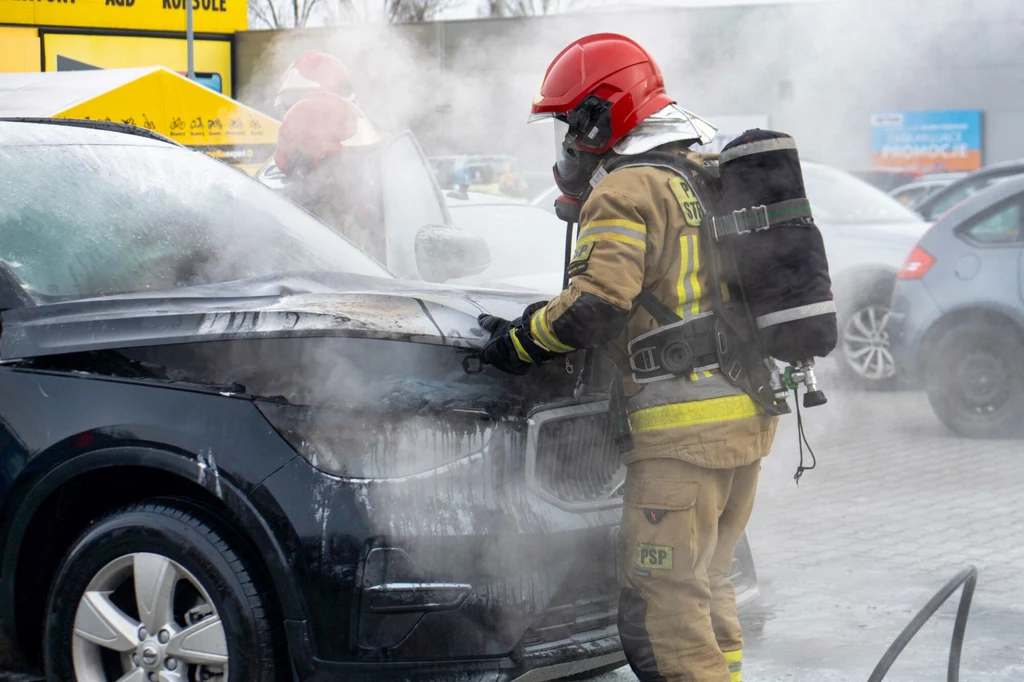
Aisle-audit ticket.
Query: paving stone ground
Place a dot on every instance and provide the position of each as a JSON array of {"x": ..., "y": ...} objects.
[{"x": 896, "y": 507}]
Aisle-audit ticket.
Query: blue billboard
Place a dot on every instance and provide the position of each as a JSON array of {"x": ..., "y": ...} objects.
[{"x": 927, "y": 140}]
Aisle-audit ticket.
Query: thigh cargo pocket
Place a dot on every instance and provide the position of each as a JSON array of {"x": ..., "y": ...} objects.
[{"x": 660, "y": 525}]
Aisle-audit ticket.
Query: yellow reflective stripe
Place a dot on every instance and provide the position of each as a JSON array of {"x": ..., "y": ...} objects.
[
  {"x": 688, "y": 291},
  {"x": 693, "y": 413},
  {"x": 624, "y": 228},
  {"x": 735, "y": 660},
  {"x": 694, "y": 282},
  {"x": 543, "y": 334},
  {"x": 520, "y": 351},
  {"x": 632, "y": 241},
  {"x": 615, "y": 222}
]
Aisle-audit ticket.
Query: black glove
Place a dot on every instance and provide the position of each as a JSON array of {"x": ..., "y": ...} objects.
[{"x": 502, "y": 352}]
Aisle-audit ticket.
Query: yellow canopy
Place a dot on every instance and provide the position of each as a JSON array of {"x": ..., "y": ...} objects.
[{"x": 154, "y": 98}]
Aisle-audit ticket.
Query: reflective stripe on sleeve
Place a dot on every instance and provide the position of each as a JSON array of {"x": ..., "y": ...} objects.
[
  {"x": 693, "y": 413},
  {"x": 520, "y": 351},
  {"x": 544, "y": 335},
  {"x": 623, "y": 231}
]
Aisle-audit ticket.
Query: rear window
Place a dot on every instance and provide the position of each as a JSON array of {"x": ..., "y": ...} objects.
[
  {"x": 81, "y": 221},
  {"x": 958, "y": 193},
  {"x": 1002, "y": 225}
]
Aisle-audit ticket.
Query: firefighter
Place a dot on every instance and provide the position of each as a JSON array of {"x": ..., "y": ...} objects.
[
  {"x": 696, "y": 439},
  {"x": 326, "y": 150},
  {"x": 313, "y": 72},
  {"x": 511, "y": 182}
]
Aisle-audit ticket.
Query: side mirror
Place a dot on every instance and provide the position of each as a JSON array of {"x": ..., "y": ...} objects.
[{"x": 445, "y": 252}]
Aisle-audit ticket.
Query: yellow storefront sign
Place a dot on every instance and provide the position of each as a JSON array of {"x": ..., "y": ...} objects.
[
  {"x": 209, "y": 16},
  {"x": 117, "y": 52},
  {"x": 19, "y": 49}
]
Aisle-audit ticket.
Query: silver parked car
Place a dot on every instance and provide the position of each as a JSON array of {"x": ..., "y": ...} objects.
[
  {"x": 934, "y": 206},
  {"x": 914, "y": 193},
  {"x": 958, "y": 313}
]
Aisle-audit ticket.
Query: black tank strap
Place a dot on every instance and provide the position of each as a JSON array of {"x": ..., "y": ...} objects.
[{"x": 658, "y": 310}]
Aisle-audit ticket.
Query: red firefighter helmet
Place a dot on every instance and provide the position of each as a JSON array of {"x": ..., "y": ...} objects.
[
  {"x": 320, "y": 127},
  {"x": 313, "y": 72},
  {"x": 602, "y": 86}
]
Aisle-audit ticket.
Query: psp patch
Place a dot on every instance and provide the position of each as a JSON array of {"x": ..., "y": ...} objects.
[
  {"x": 580, "y": 257},
  {"x": 654, "y": 556},
  {"x": 693, "y": 214}
]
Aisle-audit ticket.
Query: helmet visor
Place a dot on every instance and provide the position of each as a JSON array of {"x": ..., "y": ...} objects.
[{"x": 560, "y": 129}]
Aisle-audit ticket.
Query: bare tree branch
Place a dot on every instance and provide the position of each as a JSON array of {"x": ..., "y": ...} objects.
[
  {"x": 276, "y": 14},
  {"x": 391, "y": 11},
  {"x": 525, "y": 8}
]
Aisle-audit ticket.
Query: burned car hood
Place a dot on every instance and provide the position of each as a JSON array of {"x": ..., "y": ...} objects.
[{"x": 386, "y": 309}]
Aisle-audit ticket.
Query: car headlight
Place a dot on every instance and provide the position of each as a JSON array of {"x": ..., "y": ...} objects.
[{"x": 362, "y": 444}]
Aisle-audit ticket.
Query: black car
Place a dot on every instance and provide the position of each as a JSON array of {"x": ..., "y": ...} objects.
[{"x": 233, "y": 447}]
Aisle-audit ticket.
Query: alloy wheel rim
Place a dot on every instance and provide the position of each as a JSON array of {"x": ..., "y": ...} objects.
[
  {"x": 982, "y": 384},
  {"x": 866, "y": 344},
  {"x": 146, "y": 618}
]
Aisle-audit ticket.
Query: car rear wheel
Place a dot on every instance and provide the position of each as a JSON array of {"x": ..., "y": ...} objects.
[
  {"x": 975, "y": 381},
  {"x": 153, "y": 593},
  {"x": 864, "y": 347}
]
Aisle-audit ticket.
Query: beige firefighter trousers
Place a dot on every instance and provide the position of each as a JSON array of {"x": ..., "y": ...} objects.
[{"x": 677, "y": 608}]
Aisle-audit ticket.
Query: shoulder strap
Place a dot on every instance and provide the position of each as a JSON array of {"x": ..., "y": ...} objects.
[
  {"x": 704, "y": 177},
  {"x": 662, "y": 314},
  {"x": 705, "y": 184}
]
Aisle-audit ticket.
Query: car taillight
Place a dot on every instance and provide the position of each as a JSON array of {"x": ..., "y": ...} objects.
[{"x": 918, "y": 263}]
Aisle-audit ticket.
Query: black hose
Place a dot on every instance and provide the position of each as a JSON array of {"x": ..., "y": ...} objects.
[{"x": 968, "y": 577}]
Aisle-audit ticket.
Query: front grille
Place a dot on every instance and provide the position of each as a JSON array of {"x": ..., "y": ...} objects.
[
  {"x": 565, "y": 621},
  {"x": 573, "y": 459},
  {"x": 585, "y": 605}
]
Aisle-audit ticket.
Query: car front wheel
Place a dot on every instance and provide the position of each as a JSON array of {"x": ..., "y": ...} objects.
[
  {"x": 864, "y": 347},
  {"x": 975, "y": 381},
  {"x": 153, "y": 593}
]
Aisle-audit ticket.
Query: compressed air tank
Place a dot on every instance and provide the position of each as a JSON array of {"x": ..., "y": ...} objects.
[{"x": 780, "y": 265}]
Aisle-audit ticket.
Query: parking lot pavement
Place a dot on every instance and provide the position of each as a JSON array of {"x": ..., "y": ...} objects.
[{"x": 895, "y": 508}]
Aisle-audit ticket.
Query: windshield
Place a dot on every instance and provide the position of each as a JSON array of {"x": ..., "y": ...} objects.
[
  {"x": 838, "y": 197},
  {"x": 82, "y": 221}
]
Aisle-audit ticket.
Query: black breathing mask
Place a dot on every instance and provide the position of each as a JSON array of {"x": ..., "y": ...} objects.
[
  {"x": 588, "y": 126},
  {"x": 574, "y": 170}
]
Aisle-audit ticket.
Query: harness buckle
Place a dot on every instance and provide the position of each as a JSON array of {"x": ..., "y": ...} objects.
[
  {"x": 740, "y": 216},
  {"x": 647, "y": 354},
  {"x": 760, "y": 218},
  {"x": 743, "y": 221}
]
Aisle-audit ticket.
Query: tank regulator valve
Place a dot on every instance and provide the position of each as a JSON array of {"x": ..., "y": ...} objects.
[{"x": 803, "y": 373}]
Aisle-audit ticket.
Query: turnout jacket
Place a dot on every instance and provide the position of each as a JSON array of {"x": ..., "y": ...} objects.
[{"x": 640, "y": 230}]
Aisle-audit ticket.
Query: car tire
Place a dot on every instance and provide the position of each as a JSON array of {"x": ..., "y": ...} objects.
[
  {"x": 975, "y": 381},
  {"x": 863, "y": 352},
  {"x": 212, "y": 618}
]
